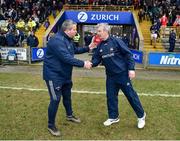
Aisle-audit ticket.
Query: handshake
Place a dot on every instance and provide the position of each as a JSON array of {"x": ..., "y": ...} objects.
[{"x": 87, "y": 64}]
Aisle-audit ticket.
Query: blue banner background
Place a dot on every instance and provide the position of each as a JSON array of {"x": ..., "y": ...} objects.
[
  {"x": 94, "y": 17},
  {"x": 164, "y": 59},
  {"x": 37, "y": 53},
  {"x": 138, "y": 56}
]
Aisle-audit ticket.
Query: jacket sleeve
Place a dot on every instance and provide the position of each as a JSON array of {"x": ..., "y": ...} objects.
[
  {"x": 59, "y": 48},
  {"x": 80, "y": 50},
  {"x": 96, "y": 58},
  {"x": 126, "y": 53}
]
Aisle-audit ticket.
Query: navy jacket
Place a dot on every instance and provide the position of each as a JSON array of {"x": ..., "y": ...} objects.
[
  {"x": 11, "y": 39},
  {"x": 114, "y": 55},
  {"x": 172, "y": 37},
  {"x": 32, "y": 41},
  {"x": 59, "y": 59}
]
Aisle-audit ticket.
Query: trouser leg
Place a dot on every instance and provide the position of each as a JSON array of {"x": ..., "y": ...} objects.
[
  {"x": 112, "y": 98},
  {"x": 66, "y": 93},
  {"x": 133, "y": 98},
  {"x": 55, "y": 96},
  {"x": 171, "y": 48}
]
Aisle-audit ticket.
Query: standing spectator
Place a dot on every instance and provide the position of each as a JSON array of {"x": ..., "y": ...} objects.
[
  {"x": 164, "y": 22},
  {"x": 177, "y": 21},
  {"x": 2, "y": 39},
  {"x": 54, "y": 8},
  {"x": 119, "y": 65},
  {"x": 141, "y": 15},
  {"x": 31, "y": 24},
  {"x": 32, "y": 40},
  {"x": 133, "y": 38},
  {"x": 46, "y": 24},
  {"x": 172, "y": 41},
  {"x": 11, "y": 26},
  {"x": 20, "y": 37},
  {"x": 154, "y": 32},
  {"x": 177, "y": 25},
  {"x": 20, "y": 24},
  {"x": 76, "y": 39},
  {"x": 125, "y": 39},
  {"x": 11, "y": 39},
  {"x": 88, "y": 38},
  {"x": 57, "y": 72},
  {"x": 36, "y": 19}
]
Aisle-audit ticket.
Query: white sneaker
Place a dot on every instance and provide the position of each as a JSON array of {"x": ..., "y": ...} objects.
[
  {"x": 110, "y": 121},
  {"x": 141, "y": 121}
]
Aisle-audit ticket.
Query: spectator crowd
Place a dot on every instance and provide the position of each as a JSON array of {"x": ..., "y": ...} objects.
[{"x": 23, "y": 18}]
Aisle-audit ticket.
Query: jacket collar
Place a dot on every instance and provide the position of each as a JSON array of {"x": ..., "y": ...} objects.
[{"x": 65, "y": 35}]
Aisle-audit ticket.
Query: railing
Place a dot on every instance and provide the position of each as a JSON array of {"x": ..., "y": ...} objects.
[
  {"x": 98, "y": 7},
  {"x": 141, "y": 38},
  {"x": 50, "y": 28}
]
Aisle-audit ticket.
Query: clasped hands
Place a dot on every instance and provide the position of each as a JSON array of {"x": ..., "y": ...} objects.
[{"x": 87, "y": 64}]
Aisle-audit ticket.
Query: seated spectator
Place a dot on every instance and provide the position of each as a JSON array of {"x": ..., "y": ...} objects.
[{"x": 32, "y": 40}]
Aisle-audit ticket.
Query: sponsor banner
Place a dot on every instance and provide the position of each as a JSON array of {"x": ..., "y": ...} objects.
[
  {"x": 99, "y": 17},
  {"x": 138, "y": 56},
  {"x": 21, "y": 53},
  {"x": 164, "y": 59},
  {"x": 37, "y": 53}
]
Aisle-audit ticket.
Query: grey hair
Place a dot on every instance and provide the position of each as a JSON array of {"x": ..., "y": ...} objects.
[
  {"x": 105, "y": 26},
  {"x": 67, "y": 24}
]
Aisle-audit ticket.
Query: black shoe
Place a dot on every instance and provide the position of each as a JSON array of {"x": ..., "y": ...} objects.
[
  {"x": 73, "y": 119},
  {"x": 54, "y": 131}
]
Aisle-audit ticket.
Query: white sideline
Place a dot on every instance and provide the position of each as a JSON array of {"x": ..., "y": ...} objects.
[{"x": 90, "y": 92}]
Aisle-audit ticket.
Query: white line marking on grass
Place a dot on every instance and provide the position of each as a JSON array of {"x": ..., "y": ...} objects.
[{"x": 90, "y": 92}]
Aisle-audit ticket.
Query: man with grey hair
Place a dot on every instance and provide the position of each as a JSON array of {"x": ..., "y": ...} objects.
[
  {"x": 57, "y": 71},
  {"x": 120, "y": 69}
]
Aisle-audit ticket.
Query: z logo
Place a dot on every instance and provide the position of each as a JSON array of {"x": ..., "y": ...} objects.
[{"x": 82, "y": 16}]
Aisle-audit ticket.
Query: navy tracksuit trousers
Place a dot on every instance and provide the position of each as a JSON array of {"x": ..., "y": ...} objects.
[
  {"x": 56, "y": 90},
  {"x": 113, "y": 85}
]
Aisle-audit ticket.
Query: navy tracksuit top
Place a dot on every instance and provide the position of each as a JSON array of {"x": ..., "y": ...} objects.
[
  {"x": 114, "y": 55},
  {"x": 59, "y": 59}
]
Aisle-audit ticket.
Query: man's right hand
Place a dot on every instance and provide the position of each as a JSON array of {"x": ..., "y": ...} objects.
[{"x": 87, "y": 64}]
